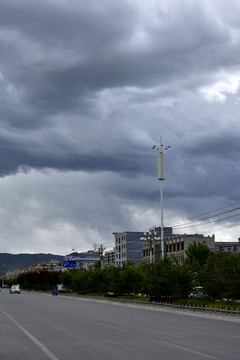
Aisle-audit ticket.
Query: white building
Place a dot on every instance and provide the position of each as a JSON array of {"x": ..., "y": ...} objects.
[{"x": 84, "y": 260}]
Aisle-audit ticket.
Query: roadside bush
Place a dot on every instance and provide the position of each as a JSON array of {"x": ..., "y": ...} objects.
[{"x": 42, "y": 280}]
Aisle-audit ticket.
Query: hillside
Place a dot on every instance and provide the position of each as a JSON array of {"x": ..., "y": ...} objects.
[{"x": 13, "y": 261}]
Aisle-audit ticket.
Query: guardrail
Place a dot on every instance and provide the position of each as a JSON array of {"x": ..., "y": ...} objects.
[
  {"x": 195, "y": 308},
  {"x": 201, "y": 308}
]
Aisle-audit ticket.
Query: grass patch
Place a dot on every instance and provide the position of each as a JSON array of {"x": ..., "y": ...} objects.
[{"x": 191, "y": 302}]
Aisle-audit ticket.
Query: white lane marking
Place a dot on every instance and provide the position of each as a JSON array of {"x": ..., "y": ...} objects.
[
  {"x": 189, "y": 350},
  {"x": 113, "y": 327},
  {"x": 31, "y": 337}
]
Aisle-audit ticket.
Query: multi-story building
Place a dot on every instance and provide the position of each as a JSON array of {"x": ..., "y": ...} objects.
[
  {"x": 128, "y": 247},
  {"x": 52, "y": 265},
  {"x": 109, "y": 257},
  {"x": 227, "y": 246},
  {"x": 167, "y": 231},
  {"x": 46, "y": 266},
  {"x": 175, "y": 246},
  {"x": 14, "y": 273},
  {"x": 155, "y": 245}
]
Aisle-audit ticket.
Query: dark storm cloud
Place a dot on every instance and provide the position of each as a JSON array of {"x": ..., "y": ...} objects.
[
  {"x": 86, "y": 88},
  {"x": 94, "y": 49},
  {"x": 225, "y": 144}
]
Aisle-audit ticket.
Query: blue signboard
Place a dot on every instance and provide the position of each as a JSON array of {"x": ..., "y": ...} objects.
[{"x": 69, "y": 263}]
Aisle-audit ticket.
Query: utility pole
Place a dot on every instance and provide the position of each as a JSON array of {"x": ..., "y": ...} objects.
[
  {"x": 100, "y": 250},
  {"x": 101, "y": 255}
]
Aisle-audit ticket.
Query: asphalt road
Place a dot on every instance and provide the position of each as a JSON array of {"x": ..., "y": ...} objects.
[{"x": 42, "y": 327}]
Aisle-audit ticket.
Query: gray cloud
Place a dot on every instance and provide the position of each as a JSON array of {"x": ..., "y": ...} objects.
[{"x": 86, "y": 89}]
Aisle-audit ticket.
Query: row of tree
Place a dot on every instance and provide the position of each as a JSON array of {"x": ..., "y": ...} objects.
[{"x": 218, "y": 273}]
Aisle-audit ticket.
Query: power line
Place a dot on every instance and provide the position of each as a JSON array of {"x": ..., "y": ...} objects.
[
  {"x": 197, "y": 217},
  {"x": 204, "y": 219},
  {"x": 200, "y": 221},
  {"x": 207, "y": 222}
]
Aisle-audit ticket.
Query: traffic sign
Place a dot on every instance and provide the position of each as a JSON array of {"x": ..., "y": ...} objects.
[{"x": 69, "y": 263}]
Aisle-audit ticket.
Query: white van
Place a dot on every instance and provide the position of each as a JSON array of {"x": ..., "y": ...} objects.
[{"x": 61, "y": 288}]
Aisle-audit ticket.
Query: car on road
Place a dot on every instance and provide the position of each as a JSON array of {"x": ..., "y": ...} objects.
[
  {"x": 197, "y": 293},
  {"x": 61, "y": 289},
  {"x": 15, "y": 289}
]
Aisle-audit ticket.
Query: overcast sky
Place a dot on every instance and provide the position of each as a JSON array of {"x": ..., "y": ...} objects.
[{"x": 86, "y": 89}]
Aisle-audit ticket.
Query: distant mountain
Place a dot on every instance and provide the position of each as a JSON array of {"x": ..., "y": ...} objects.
[{"x": 14, "y": 261}]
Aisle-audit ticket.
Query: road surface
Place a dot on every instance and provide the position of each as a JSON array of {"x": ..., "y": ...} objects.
[{"x": 43, "y": 326}]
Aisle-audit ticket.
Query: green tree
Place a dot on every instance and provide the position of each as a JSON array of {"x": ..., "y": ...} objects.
[
  {"x": 160, "y": 278},
  {"x": 79, "y": 280},
  {"x": 129, "y": 279},
  {"x": 65, "y": 279},
  {"x": 112, "y": 279},
  {"x": 223, "y": 275},
  {"x": 97, "y": 280},
  {"x": 169, "y": 278},
  {"x": 182, "y": 279},
  {"x": 197, "y": 257},
  {"x": 42, "y": 280}
]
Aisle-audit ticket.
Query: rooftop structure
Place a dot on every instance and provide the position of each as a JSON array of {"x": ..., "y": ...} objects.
[{"x": 227, "y": 246}]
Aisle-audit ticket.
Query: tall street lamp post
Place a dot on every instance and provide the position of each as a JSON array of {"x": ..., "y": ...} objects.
[
  {"x": 150, "y": 238},
  {"x": 161, "y": 177}
]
